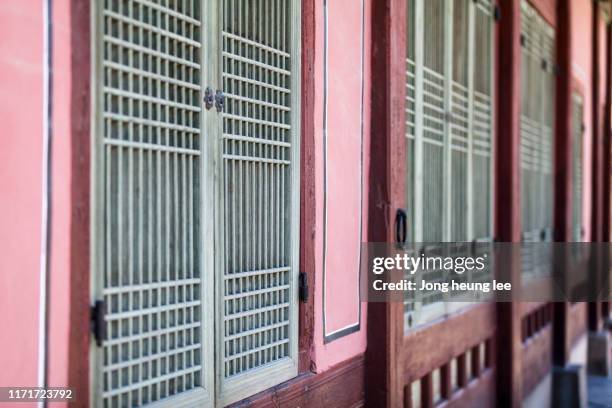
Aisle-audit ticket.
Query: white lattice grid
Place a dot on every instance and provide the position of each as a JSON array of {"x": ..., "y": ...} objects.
[
  {"x": 257, "y": 220},
  {"x": 449, "y": 122},
  {"x": 537, "y": 115},
  {"x": 150, "y": 68}
]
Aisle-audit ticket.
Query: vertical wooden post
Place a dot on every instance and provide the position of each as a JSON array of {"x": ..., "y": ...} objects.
[
  {"x": 446, "y": 383},
  {"x": 594, "y": 308},
  {"x": 508, "y": 205},
  {"x": 563, "y": 168},
  {"x": 607, "y": 164},
  {"x": 80, "y": 141},
  {"x": 307, "y": 185},
  {"x": 462, "y": 377},
  {"x": 427, "y": 397},
  {"x": 475, "y": 363},
  {"x": 387, "y": 174}
]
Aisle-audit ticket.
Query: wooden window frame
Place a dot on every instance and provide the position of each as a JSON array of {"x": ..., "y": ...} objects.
[
  {"x": 461, "y": 133},
  {"x": 80, "y": 337},
  {"x": 544, "y": 208},
  {"x": 408, "y": 358},
  {"x": 234, "y": 386},
  {"x": 308, "y": 187},
  {"x": 574, "y": 235}
]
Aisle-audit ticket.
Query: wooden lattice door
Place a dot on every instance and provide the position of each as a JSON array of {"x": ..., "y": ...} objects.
[{"x": 195, "y": 200}]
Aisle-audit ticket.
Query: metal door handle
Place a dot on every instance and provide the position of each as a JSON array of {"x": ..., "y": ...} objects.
[
  {"x": 209, "y": 98},
  {"x": 219, "y": 100},
  {"x": 400, "y": 226}
]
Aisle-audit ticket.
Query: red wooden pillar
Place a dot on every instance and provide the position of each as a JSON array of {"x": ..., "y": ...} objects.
[
  {"x": 508, "y": 205},
  {"x": 80, "y": 137},
  {"x": 563, "y": 168},
  {"x": 387, "y": 176},
  {"x": 607, "y": 165},
  {"x": 594, "y": 307},
  {"x": 307, "y": 185}
]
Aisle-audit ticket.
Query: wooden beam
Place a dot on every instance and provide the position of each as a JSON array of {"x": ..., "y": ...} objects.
[
  {"x": 432, "y": 346},
  {"x": 607, "y": 159},
  {"x": 563, "y": 127},
  {"x": 594, "y": 307},
  {"x": 340, "y": 386},
  {"x": 307, "y": 184},
  {"x": 563, "y": 177},
  {"x": 80, "y": 140},
  {"x": 507, "y": 200},
  {"x": 387, "y": 175},
  {"x": 537, "y": 357}
]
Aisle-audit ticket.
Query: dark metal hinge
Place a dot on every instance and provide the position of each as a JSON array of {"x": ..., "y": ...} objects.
[
  {"x": 401, "y": 227},
  {"x": 496, "y": 13},
  {"x": 219, "y": 100},
  {"x": 303, "y": 284},
  {"x": 98, "y": 326}
]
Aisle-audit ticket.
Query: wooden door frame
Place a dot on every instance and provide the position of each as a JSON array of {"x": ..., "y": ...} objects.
[
  {"x": 79, "y": 338},
  {"x": 394, "y": 360},
  {"x": 386, "y": 175},
  {"x": 308, "y": 187},
  {"x": 563, "y": 169},
  {"x": 508, "y": 204},
  {"x": 600, "y": 148}
]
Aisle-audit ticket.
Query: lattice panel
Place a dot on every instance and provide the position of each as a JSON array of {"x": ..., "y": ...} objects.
[
  {"x": 152, "y": 280},
  {"x": 411, "y": 115},
  {"x": 433, "y": 125},
  {"x": 460, "y": 125},
  {"x": 482, "y": 124},
  {"x": 537, "y": 116},
  {"x": 257, "y": 143},
  {"x": 449, "y": 118}
]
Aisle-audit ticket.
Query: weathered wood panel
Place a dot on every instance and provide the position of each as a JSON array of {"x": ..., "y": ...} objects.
[{"x": 340, "y": 386}]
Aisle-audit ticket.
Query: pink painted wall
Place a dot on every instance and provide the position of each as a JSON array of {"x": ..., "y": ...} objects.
[
  {"x": 582, "y": 46},
  {"x": 341, "y": 192},
  {"x": 21, "y": 115},
  {"x": 59, "y": 321},
  {"x": 21, "y": 107}
]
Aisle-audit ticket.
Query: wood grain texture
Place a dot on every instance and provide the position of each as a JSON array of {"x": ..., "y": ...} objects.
[
  {"x": 607, "y": 147},
  {"x": 387, "y": 178},
  {"x": 307, "y": 186},
  {"x": 536, "y": 359},
  {"x": 477, "y": 393},
  {"x": 340, "y": 386},
  {"x": 563, "y": 127},
  {"x": 435, "y": 345},
  {"x": 577, "y": 326},
  {"x": 507, "y": 200},
  {"x": 563, "y": 203},
  {"x": 80, "y": 104},
  {"x": 594, "y": 314}
]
